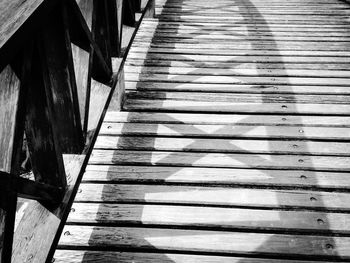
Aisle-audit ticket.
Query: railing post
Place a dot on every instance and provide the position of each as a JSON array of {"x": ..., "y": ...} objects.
[
  {"x": 114, "y": 9},
  {"x": 128, "y": 13},
  {"x": 60, "y": 84},
  {"x": 150, "y": 9},
  {"x": 11, "y": 135}
]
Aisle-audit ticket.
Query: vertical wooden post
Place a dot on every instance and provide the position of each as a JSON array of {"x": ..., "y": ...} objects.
[
  {"x": 60, "y": 84},
  {"x": 128, "y": 13},
  {"x": 42, "y": 137},
  {"x": 10, "y": 129},
  {"x": 114, "y": 8},
  {"x": 137, "y": 5},
  {"x": 101, "y": 31},
  {"x": 151, "y": 9}
]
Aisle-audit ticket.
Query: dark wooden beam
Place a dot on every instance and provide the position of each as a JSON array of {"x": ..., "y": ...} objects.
[
  {"x": 129, "y": 13},
  {"x": 100, "y": 32},
  {"x": 42, "y": 138},
  {"x": 137, "y": 5},
  {"x": 114, "y": 9},
  {"x": 60, "y": 85},
  {"x": 29, "y": 189}
]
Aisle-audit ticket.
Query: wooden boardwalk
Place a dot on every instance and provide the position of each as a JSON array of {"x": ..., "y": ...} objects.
[{"x": 233, "y": 144}]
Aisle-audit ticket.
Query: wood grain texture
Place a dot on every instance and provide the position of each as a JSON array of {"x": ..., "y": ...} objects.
[
  {"x": 9, "y": 96},
  {"x": 234, "y": 119},
  {"x": 34, "y": 240},
  {"x": 213, "y": 196},
  {"x": 232, "y": 143},
  {"x": 76, "y": 256},
  {"x": 235, "y": 107},
  {"x": 216, "y": 176},
  {"x": 209, "y": 218},
  {"x": 226, "y": 131},
  {"x": 222, "y": 145},
  {"x": 224, "y": 242},
  {"x": 236, "y": 88}
]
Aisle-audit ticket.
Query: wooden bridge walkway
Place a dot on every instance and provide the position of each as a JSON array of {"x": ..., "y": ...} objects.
[{"x": 233, "y": 143}]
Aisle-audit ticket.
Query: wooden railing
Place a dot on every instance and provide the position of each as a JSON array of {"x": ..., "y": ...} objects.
[{"x": 56, "y": 83}]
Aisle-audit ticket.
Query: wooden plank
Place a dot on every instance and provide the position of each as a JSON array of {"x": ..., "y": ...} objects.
[
  {"x": 75, "y": 256},
  {"x": 198, "y": 51},
  {"x": 249, "y": 23},
  {"x": 227, "y": 160},
  {"x": 236, "y": 79},
  {"x": 243, "y": 107},
  {"x": 222, "y": 145},
  {"x": 224, "y": 36},
  {"x": 251, "y": 45},
  {"x": 154, "y": 25},
  {"x": 226, "y": 131},
  {"x": 215, "y": 176},
  {"x": 214, "y": 196},
  {"x": 238, "y": 72},
  {"x": 243, "y": 58},
  {"x": 231, "y": 119},
  {"x": 232, "y": 65},
  {"x": 9, "y": 99},
  {"x": 236, "y": 88},
  {"x": 209, "y": 217},
  {"x": 219, "y": 242},
  {"x": 239, "y": 97}
]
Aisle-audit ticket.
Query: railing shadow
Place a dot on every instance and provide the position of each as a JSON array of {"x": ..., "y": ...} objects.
[{"x": 252, "y": 38}]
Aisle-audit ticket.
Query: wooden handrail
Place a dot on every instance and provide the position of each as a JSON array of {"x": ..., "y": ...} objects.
[{"x": 55, "y": 64}]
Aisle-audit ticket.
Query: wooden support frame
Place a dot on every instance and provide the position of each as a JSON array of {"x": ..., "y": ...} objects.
[
  {"x": 81, "y": 36},
  {"x": 11, "y": 132},
  {"x": 29, "y": 189},
  {"x": 53, "y": 187},
  {"x": 42, "y": 138},
  {"x": 60, "y": 84}
]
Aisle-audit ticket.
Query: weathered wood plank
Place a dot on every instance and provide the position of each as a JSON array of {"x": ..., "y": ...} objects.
[
  {"x": 243, "y": 58},
  {"x": 226, "y": 131},
  {"x": 9, "y": 103},
  {"x": 237, "y": 160},
  {"x": 249, "y": 23},
  {"x": 236, "y": 88},
  {"x": 236, "y": 107},
  {"x": 76, "y": 256},
  {"x": 239, "y": 97},
  {"x": 209, "y": 217},
  {"x": 222, "y": 145},
  {"x": 248, "y": 46},
  {"x": 240, "y": 31},
  {"x": 213, "y": 196},
  {"x": 11, "y": 132},
  {"x": 215, "y": 176},
  {"x": 236, "y": 119},
  {"x": 238, "y": 72},
  {"x": 224, "y": 242}
]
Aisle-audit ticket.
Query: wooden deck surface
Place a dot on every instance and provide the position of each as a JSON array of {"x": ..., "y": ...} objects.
[{"x": 233, "y": 144}]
